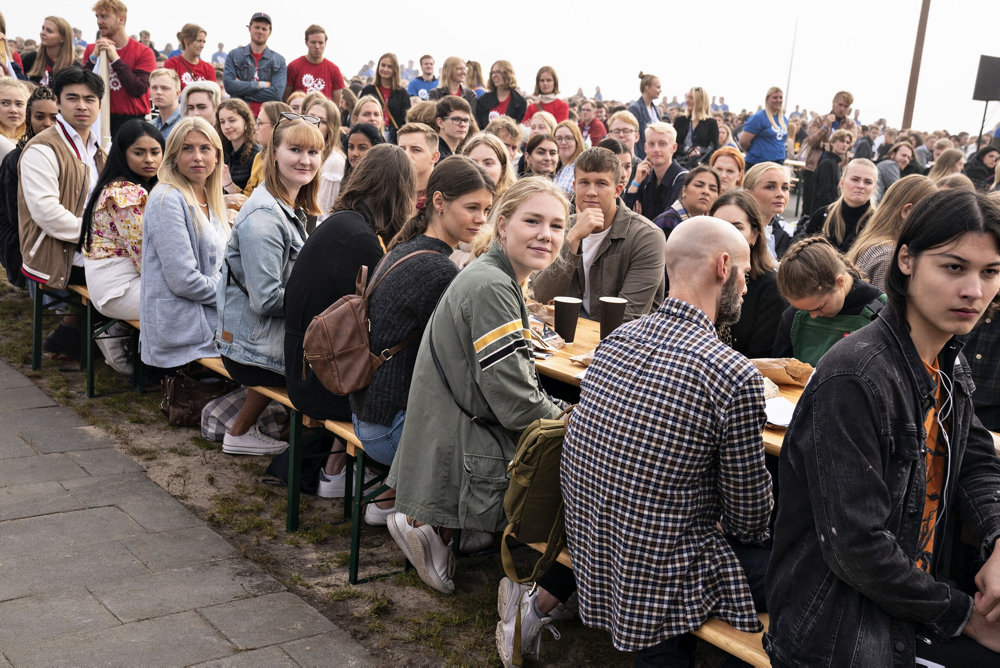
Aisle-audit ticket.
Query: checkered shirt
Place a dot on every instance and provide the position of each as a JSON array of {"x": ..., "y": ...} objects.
[{"x": 666, "y": 441}]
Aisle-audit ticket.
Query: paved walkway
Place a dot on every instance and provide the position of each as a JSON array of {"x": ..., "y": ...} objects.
[{"x": 100, "y": 566}]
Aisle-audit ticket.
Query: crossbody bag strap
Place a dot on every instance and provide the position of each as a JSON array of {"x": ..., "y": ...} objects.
[
  {"x": 388, "y": 353},
  {"x": 378, "y": 91}
]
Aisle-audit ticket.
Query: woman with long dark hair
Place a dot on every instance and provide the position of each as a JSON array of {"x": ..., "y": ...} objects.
[
  {"x": 392, "y": 96},
  {"x": 459, "y": 196},
  {"x": 235, "y": 124}
]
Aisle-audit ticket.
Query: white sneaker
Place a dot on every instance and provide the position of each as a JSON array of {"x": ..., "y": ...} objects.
[
  {"x": 378, "y": 517},
  {"x": 114, "y": 348},
  {"x": 252, "y": 443},
  {"x": 474, "y": 541},
  {"x": 434, "y": 561},
  {"x": 567, "y": 610},
  {"x": 399, "y": 529},
  {"x": 511, "y": 597},
  {"x": 335, "y": 486}
]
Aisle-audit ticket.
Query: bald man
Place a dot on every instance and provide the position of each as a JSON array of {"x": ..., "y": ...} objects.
[{"x": 674, "y": 535}]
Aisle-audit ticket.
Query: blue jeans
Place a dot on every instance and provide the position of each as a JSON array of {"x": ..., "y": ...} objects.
[{"x": 380, "y": 441}]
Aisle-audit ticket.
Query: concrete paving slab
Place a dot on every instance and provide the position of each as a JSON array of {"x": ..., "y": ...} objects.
[
  {"x": 142, "y": 499},
  {"x": 266, "y": 620},
  {"x": 34, "y": 620},
  {"x": 52, "y": 429},
  {"x": 267, "y": 657},
  {"x": 12, "y": 445},
  {"x": 50, "y": 534},
  {"x": 28, "y": 573},
  {"x": 40, "y": 468},
  {"x": 18, "y": 398},
  {"x": 146, "y": 596},
  {"x": 334, "y": 648},
  {"x": 179, "y": 549},
  {"x": 9, "y": 377},
  {"x": 105, "y": 462},
  {"x": 174, "y": 640},
  {"x": 35, "y": 499}
]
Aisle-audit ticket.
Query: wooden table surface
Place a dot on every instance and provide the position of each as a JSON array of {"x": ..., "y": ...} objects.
[{"x": 588, "y": 335}]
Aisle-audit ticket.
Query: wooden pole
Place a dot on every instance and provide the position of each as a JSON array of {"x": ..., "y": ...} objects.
[
  {"x": 104, "y": 67},
  {"x": 918, "y": 52}
]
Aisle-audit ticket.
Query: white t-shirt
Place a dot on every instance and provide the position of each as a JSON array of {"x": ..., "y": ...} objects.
[{"x": 589, "y": 245}]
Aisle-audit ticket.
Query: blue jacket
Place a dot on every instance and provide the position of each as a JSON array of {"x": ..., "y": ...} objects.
[
  {"x": 843, "y": 588},
  {"x": 266, "y": 239},
  {"x": 238, "y": 75},
  {"x": 638, "y": 109},
  {"x": 180, "y": 270}
]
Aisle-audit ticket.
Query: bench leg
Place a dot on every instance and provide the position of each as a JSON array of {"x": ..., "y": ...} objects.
[
  {"x": 294, "y": 470},
  {"x": 358, "y": 518},
  {"x": 89, "y": 343},
  {"x": 36, "y": 329}
]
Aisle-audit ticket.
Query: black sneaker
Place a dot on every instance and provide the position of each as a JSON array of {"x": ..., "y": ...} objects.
[{"x": 64, "y": 341}]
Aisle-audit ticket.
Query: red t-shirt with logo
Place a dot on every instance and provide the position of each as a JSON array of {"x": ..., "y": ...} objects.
[
  {"x": 308, "y": 77},
  {"x": 138, "y": 58},
  {"x": 189, "y": 73}
]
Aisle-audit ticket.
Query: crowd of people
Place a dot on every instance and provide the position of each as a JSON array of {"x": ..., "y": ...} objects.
[{"x": 240, "y": 196}]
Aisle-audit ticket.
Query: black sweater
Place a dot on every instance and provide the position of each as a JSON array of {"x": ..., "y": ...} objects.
[
  {"x": 763, "y": 305},
  {"x": 401, "y": 306},
  {"x": 852, "y": 214},
  {"x": 325, "y": 270},
  {"x": 861, "y": 295},
  {"x": 239, "y": 169},
  {"x": 516, "y": 107}
]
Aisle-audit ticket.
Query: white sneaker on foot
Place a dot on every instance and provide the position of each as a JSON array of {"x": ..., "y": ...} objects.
[
  {"x": 335, "y": 486},
  {"x": 252, "y": 443},
  {"x": 434, "y": 561},
  {"x": 399, "y": 529},
  {"x": 114, "y": 346},
  {"x": 378, "y": 517},
  {"x": 474, "y": 541},
  {"x": 511, "y": 599}
]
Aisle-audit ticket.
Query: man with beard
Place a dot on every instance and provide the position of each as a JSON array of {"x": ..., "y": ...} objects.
[{"x": 667, "y": 496}]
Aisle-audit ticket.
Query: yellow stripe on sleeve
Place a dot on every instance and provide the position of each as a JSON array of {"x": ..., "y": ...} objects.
[{"x": 501, "y": 331}]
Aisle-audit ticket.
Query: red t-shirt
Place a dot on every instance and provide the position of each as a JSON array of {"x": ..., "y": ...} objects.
[
  {"x": 556, "y": 107},
  {"x": 386, "y": 92},
  {"x": 500, "y": 109},
  {"x": 305, "y": 76},
  {"x": 137, "y": 58},
  {"x": 189, "y": 73}
]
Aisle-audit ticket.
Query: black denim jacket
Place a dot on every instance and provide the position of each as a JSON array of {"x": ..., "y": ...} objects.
[{"x": 842, "y": 585}]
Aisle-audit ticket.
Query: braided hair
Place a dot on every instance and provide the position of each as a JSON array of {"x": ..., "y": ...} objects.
[
  {"x": 40, "y": 93},
  {"x": 810, "y": 267}
]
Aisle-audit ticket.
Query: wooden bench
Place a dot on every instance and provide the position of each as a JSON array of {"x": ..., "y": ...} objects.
[
  {"x": 742, "y": 645},
  {"x": 94, "y": 332}
]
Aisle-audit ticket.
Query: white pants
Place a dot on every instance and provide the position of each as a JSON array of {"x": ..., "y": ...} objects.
[{"x": 113, "y": 284}]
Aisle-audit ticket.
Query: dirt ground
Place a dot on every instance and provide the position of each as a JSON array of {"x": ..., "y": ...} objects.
[{"x": 395, "y": 616}]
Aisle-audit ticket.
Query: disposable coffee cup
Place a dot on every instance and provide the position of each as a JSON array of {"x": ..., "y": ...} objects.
[
  {"x": 612, "y": 314},
  {"x": 567, "y": 314}
]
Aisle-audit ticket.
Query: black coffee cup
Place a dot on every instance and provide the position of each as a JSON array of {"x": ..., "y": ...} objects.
[{"x": 567, "y": 315}]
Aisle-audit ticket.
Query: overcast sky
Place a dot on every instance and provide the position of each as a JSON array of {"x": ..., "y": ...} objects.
[{"x": 734, "y": 49}]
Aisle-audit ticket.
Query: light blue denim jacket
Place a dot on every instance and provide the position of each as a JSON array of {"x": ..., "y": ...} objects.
[{"x": 266, "y": 239}]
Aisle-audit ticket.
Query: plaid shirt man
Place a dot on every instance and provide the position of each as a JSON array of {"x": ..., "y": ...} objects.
[{"x": 665, "y": 443}]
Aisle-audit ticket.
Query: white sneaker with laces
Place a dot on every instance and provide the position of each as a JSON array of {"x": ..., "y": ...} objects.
[
  {"x": 399, "y": 529},
  {"x": 335, "y": 486},
  {"x": 252, "y": 443},
  {"x": 511, "y": 597},
  {"x": 378, "y": 517},
  {"x": 434, "y": 561}
]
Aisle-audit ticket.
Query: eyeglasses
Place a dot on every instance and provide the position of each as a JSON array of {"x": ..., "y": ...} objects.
[
  {"x": 622, "y": 132},
  {"x": 458, "y": 120},
  {"x": 565, "y": 140},
  {"x": 292, "y": 116}
]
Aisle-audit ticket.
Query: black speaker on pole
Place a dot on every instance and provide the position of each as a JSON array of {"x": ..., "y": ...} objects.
[{"x": 988, "y": 79}]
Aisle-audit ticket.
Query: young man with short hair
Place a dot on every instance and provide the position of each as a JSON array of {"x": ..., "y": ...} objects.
[
  {"x": 129, "y": 63},
  {"x": 658, "y": 178},
  {"x": 201, "y": 98},
  {"x": 420, "y": 143},
  {"x": 58, "y": 169},
  {"x": 422, "y": 86},
  {"x": 817, "y": 140},
  {"x": 255, "y": 73},
  {"x": 609, "y": 250},
  {"x": 312, "y": 72},
  {"x": 591, "y": 127},
  {"x": 164, "y": 91},
  {"x": 885, "y": 465},
  {"x": 508, "y": 132}
]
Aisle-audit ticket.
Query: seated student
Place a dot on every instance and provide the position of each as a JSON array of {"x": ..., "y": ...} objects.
[
  {"x": 454, "y": 124},
  {"x": 452, "y": 83},
  {"x": 729, "y": 165},
  {"x": 610, "y": 251},
  {"x": 827, "y": 300},
  {"x": 459, "y": 199},
  {"x": 826, "y": 182},
  {"x": 884, "y": 462},
  {"x": 753, "y": 334},
  {"x": 267, "y": 119},
  {"x": 111, "y": 238},
  {"x": 235, "y": 124},
  {"x": 509, "y": 133},
  {"x": 658, "y": 178},
  {"x": 184, "y": 232},
  {"x": 372, "y": 207},
  {"x": 672, "y": 537},
  {"x": 487, "y": 151},
  {"x": 570, "y": 144},
  {"x": 334, "y": 159},
  {"x": 841, "y": 221},
  {"x": 421, "y": 144},
  {"x": 449, "y": 471},
  {"x": 267, "y": 236},
  {"x": 624, "y": 157},
  {"x": 701, "y": 188},
  {"x": 541, "y": 155},
  {"x": 769, "y": 184},
  {"x": 201, "y": 98},
  {"x": 359, "y": 140}
]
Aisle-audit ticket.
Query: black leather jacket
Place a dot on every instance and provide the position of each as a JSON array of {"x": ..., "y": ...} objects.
[{"x": 842, "y": 587}]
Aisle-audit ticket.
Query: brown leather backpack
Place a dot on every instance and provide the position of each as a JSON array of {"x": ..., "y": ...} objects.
[{"x": 336, "y": 345}]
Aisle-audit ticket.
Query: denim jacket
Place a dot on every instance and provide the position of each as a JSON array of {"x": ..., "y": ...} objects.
[
  {"x": 266, "y": 239},
  {"x": 240, "y": 81},
  {"x": 842, "y": 585}
]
